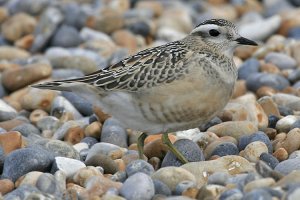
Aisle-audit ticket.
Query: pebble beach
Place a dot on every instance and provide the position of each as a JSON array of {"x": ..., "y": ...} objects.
[{"x": 56, "y": 145}]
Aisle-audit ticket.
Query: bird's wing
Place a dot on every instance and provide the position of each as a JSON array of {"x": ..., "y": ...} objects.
[{"x": 148, "y": 68}]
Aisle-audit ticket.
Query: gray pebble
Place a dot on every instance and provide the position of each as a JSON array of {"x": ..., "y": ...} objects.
[
  {"x": 144, "y": 190},
  {"x": 48, "y": 123},
  {"x": 48, "y": 184},
  {"x": 183, "y": 186},
  {"x": 90, "y": 141},
  {"x": 103, "y": 149},
  {"x": 287, "y": 166},
  {"x": 27, "y": 129},
  {"x": 139, "y": 166},
  {"x": 188, "y": 148},
  {"x": 74, "y": 15},
  {"x": 66, "y": 36},
  {"x": 58, "y": 148},
  {"x": 81, "y": 104},
  {"x": 250, "y": 66},
  {"x": 22, "y": 161},
  {"x": 218, "y": 178},
  {"x": 65, "y": 74},
  {"x": 24, "y": 192},
  {"x": 257, "y": 80},
  {"x": 281, "y": 60},
  {"x": 269, "y": 159},
  {"x": 161, "y": 188},
  {"x": 112, "y": 132},
  {"x": 224, "y": 149},
  {"x": 61, "y": 105},
  {"x": 257, "y": 194},
  {"x": 232, "y": 194}
]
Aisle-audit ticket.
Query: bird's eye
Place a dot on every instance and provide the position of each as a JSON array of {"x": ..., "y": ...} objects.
[{"x": 214, "y": 32}]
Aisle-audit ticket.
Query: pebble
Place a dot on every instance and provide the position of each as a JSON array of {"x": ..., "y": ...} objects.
[
  {"x": 258, "y": 80},
  {"x": 161, "y": 188},
  {"x": 269, "y": 159},
  {"x": 61, "y": 105},
  {"x": 90, "y": 141},
  {"x": 108, "y": 149},
  {"x": 290, "y": 101},
  {"x": 22, "y": 161},
  {"x": 253, "y": 150},
  {"x": 58, "y": 148},
  {"x": 282, "y": 61},
  {"x": 189, "y": 150},
  {"x": 17, "y": 26},
  {"x": 231, "y": 164},
  {"x": 250, "y": 66},
  {"x": 107, "y": 163},
  {"x": 66, "y": 36},
  {"x": 257, "y": 194},
  {"x": 11, "y": 53},
  {"x": 139, "y": 166},
  {"x": 11, "y": 141},
  {"x": 257, "y": 136},
  {"x": 144, "y": 191},
  {"x": 48, "y": 184},
  {"x": 224, "y": 149},
  {"x": 281, "y": 154},
  {"x": 112, "y": 132},
  {"x": 231, "y": 194},
  {"x": 36, "y": 115},
  {"x": 233, "y": 128},
  {"x": 46, "y": 28},
  {"x": 218, "y": 178},
  {"x": 67, "y": 165},
  {"x": 81, "y": 104},
  {"x": 6, "y": 111}
]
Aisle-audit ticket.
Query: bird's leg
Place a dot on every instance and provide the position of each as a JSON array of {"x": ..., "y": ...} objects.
[
  {"x": 166, "y": 141},
  {"x": 140, "y": 145}
]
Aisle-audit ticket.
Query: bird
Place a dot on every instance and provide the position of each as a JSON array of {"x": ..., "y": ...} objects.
[{"x": 176, "y": 86}]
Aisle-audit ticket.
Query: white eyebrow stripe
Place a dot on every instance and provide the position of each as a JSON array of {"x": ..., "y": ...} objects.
[{"x": 205, "y": 28}]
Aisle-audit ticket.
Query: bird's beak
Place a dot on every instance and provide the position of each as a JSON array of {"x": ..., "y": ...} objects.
[{"x": 245, "y": 41}]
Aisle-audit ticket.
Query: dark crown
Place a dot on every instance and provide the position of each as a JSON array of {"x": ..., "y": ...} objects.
[{"x": 218, "y": 22}]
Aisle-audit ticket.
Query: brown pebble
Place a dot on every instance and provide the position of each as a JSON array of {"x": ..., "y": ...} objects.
[
  {"x": 36, "y": 115},
  {"x": 74, "y": 135},
  {"x": 12, "y": 53},
  {"x": 271, "y": 133},
  {"x": 126, "y": 39},
  {"x": 239, "y": 88},
  {"x": 292, "y": 141},
  {"x": 11, "y": 141},
  {"x": 269, "y": 68},
  {"x": 155, "y": 148},
  {"x": 83, "y": 175},
  {"x": 191, "y": 192},
  {"x": 155, "y": 162},
  {"x": 133, "y": 147},
  {"x": 265, "y": 91},
  {"x": 93, "y": 130},
  {"x": 269, "y": 106},
  {"x": 25, "y": 42},
  {"x": 120, "y": 164},
  {"x": 6, "y": 186},
  {"x": 98, "y": 185},
  {"x": 10, "y": 124},
  {"x": 281, "y": 154},
  {"x": 13, "y": 79},
  {"x": 100, "y": 114},
  {"x": 108, "y": 164}
]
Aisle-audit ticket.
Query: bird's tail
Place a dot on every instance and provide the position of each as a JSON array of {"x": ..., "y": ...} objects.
[{"x": 55, "y": 85}]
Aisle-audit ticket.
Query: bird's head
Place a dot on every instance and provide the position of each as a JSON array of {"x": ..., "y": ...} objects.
[{"x": 220, "y": 34}]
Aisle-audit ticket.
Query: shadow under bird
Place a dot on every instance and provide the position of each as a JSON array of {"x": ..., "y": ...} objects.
[{"x": 173, "y": 87}]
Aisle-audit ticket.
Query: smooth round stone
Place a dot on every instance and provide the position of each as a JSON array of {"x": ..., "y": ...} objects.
[
  {"x": 250, "y": 66},
  {"x": 257, "y": 80},
  {"x": 27, "y": 129},
  {"x": 67, "y": 165},
  {"x": 6, "y": 186},
  {"x": 83, "y": 154},
  {"x": 161, "y": 188},
  {"x": 259, "y": 183},
  {"x": 294, "y": 33},
  {"x": 281, "y": 60},
  {"x": 257, "y": 194},
  {"x": 112, "y": 132},
  {"x": 93, "y": 130},
  {"x": 189, "y": 149},
  {"x": 294, "y": 76},
  {"x": 83, "y": 174},
  {"x": 58, "y": 148},
  {"x": 90, "y": 141},
  {"x": 218, "y": 178},
  {"x": 139, "y": 166},
  {"x": 61, "y": 132},
  {"x": 140, "y": 28},
  {"x": 269, "y": 159},
  {"x": 66, "y": 36},
  {"x": 11, "y": 53},
  {"x": 81, "y": 104},
  {"x": 108, "y": 149},
  {"x": 119, "y": 176},
  {"x": 58, "y": 74},
  {"x": 24, "y": 192},
  {"x": 224, "y": 149},
  {"x": 11, "y": 141},
  {"x": 272, "y": 121},
  {"x": 295, "y": 154},
  {"x": 104, "y": 161},
  {"x": 48, "y": 184},
  {"x": 172, "y": 176},
  {"x": 90, "y": 34},
  {"x": 253, "y": 150},
  {"x": 6, "y": 111},
  {"x": 263, "y": 28},
  {"x": 214, "y": 121},
  {"x": 74, "y": 135},
  {"x": 234, "y": 129},
  {"x": 74, "y": 15},
  {"x": 22, "y": 161},
  {"x": 285, "y": 111},
  {"x": 285, "y": 123},
  {"x": 287, "y": 166},
  {"x": 258, "y": 136},
  {"x": 61, "y": 105},
  {"x": 183, "y": 186},
  {"x": 290, "y": 101},
  {"x": 144, "y": 189},
  {"x": 222, "y": 164},
  {"x": 26, "y": 6},
  {"x": 232, "y": 194},
  {"x": 81, "y": 146},
  {"x": 46, "y": 27},
  {"x": 48, "y": 123}
]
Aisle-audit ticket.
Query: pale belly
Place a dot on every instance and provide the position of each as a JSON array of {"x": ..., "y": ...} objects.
[{"x": 180, "y": 106}]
